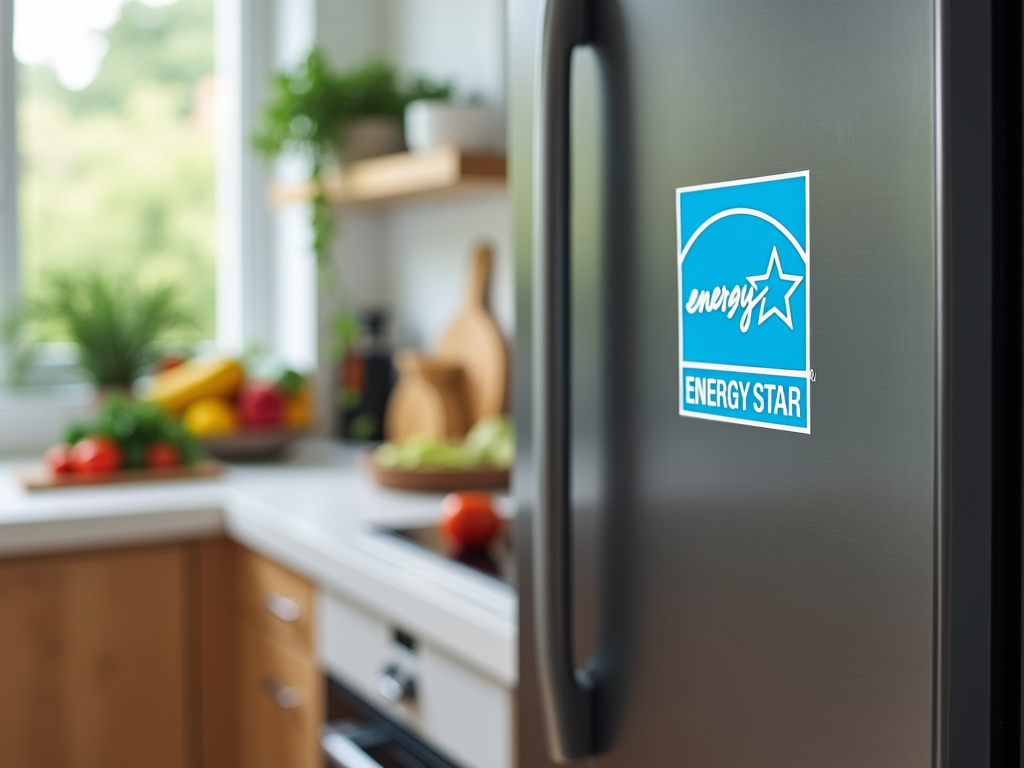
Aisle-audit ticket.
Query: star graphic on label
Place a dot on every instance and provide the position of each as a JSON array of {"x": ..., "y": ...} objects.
[{"x": 773, "y": 263}]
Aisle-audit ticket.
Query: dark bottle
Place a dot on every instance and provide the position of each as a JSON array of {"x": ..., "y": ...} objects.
[{"x": 365, "y": 380}]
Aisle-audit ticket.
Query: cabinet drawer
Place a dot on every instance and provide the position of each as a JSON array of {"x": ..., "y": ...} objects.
[
  {"x": 278, "y": 601},
  {"x": 453, "y": 707},
  {"x": 281, "y": 705}
]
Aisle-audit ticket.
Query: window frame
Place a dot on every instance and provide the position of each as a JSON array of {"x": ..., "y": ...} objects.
[
  {"x": 9, "y": 172},
  {"x": 248, "y": 299},
  {"x": 265, "y": 274},
  {"x": 56, "y": 370}
]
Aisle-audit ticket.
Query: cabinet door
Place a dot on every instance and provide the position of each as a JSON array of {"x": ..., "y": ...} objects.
[
  {"x": 92, "y": 660},
  {"x": 281, "y": 704}
]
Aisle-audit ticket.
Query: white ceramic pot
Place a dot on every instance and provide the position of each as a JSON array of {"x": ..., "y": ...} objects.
[
  {"x": 372, "y": 136},
  {"x": 430, "y": 123}
]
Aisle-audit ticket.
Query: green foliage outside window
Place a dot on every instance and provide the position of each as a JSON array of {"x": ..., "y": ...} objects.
[{"x": 118, "y": 178}]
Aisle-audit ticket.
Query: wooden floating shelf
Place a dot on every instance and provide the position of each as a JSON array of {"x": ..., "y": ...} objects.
[{"x": 440, "y": 172}]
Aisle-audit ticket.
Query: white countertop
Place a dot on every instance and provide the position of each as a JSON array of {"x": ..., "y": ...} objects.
[{"x": 315, "y": 514}]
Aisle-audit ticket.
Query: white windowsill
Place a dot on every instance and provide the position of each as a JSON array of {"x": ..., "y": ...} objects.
[{"x": 33, "y": 418}]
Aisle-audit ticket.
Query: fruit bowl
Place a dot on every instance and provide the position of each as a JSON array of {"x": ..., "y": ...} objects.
[
  {"x": 426, "y": 463},
  {"x": 251, "y": 444}
]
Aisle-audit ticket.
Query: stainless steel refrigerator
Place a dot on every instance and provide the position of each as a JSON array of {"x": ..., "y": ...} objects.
[{"x": 767, "y": 381}]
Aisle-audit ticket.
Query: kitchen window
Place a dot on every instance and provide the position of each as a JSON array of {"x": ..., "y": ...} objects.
[
  {"x": 115, "y": 131},
  {"x": 119, "y": 148}
]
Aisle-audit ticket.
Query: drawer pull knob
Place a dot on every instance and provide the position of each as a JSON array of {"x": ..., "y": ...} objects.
[
  {"x": 285, "y": 696},
  {"x": 283, "y": 607},
  {"x": 396, "y": 684}
]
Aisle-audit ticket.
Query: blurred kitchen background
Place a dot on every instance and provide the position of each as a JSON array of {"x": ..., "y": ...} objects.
[
  {"x": 256, "y": 299},
  {"x": 134, "y": 143}
]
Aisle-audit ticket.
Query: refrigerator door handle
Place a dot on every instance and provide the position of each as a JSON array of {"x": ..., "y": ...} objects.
[{"x": 567, "y": 692}]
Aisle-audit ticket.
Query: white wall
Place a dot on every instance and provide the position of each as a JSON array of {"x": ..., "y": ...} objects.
[
  {"x": 460, "y": 40},
  {"x": 430, "y": 245},
  {"x": 351, "y": 30}
]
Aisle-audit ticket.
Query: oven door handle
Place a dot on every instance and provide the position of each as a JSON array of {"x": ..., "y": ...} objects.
[
  {"x": 567, "y": 692},
  {"x": 343, "y": 751}
]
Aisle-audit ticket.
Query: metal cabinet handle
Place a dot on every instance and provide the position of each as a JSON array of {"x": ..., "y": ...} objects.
[
  {"x": 283, "y": 607},
  {"x": 285, "y": 696},
  {"x": 567, "y": 692},
  {"x": 343, "y": 751}
]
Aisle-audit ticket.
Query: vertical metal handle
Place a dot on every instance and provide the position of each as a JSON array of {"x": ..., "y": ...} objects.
[{"x": 567, "y": 692}]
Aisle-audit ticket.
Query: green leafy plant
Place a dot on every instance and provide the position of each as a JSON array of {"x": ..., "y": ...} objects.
[
  {"x": 135, "y": 425},
  {"x": 310, "y": 108},
  {"x": 115, "y": 324},
  {"x": 308, "y": 111}
]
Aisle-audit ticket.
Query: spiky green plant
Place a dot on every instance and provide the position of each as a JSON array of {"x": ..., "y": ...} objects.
[{"x": 115, "y": 323}]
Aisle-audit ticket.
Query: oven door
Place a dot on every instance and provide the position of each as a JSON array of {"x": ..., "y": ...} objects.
[{"x": 357, "y": 735}]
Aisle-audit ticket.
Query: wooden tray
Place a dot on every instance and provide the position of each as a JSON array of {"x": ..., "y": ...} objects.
[
  {"x": 438, "y": 480},
  {"x": 42, "y": 479}
]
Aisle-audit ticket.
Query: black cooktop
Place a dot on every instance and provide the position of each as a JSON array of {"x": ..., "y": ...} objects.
[{"x": 496, "y": 561}]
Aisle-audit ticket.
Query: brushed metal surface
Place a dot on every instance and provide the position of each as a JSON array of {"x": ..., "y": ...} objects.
[{"x": 751, "y": 597}]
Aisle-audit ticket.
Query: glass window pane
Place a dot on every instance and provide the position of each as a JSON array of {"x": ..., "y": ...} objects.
[{"x": 115, "y": 120}]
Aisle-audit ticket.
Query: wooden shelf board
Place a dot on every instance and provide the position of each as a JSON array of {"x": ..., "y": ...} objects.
[{"x": 444, "y": 171}]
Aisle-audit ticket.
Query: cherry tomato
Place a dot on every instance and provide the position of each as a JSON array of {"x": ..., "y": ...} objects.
[
  {"x": 96, "y": 455},
  {"x": 468, "y": 519},
  {"x": 162, "y": 454},
  {"x": 58, "y": 458}
]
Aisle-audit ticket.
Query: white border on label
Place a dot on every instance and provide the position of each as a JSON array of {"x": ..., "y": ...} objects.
[{"x": 805, "y": 254}]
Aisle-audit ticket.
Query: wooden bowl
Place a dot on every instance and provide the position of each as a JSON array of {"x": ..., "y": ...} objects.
[
  {"x": 251, "y": 444},
  {"x": 486, "y": 478}
]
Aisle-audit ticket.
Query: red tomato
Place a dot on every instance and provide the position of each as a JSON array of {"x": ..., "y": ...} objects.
[
  {"x": 468, "y": 519},
  {"x": 162, "y": 454},
  {"x": 96, "y": 455},
  {"x": 58, "y": 458}
]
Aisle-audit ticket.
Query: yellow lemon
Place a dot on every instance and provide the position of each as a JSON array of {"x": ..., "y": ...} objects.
[{"x": 210, "y": 416}]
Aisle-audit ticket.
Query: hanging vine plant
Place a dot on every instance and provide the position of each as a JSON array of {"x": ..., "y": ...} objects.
[{"x": 310, "y": 109}]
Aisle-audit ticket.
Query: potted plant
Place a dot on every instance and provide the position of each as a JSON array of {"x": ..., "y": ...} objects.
[
  {"x": 115, "y": 324},
  {"x": 472, "y": 126},
  {"x": 330, "y": 118}
]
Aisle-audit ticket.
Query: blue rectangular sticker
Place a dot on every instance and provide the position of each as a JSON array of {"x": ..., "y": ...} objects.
[{"x": 744, "y": 301}]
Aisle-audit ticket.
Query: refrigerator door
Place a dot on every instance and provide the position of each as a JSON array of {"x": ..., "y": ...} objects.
[{"x": 745, "y": 596}]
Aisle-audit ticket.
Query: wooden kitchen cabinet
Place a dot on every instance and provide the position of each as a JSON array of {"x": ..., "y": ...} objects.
[
  {"x": 280, "y": 705},
  {"x": 93, "y": 660},
  {"x": 280, "y": 686},
  {"x": 190, "y": 655}
]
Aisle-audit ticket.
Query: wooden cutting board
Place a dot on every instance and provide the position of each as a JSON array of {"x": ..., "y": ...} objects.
[
  {"x": 474, "y": 342},
  {"x": 42, "y": 479},
  {"x": 430, "y": 399}
]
